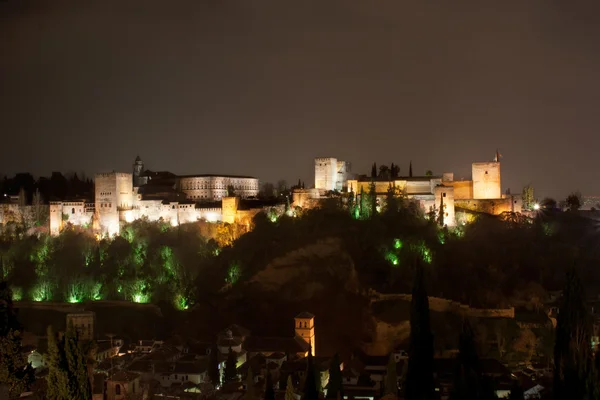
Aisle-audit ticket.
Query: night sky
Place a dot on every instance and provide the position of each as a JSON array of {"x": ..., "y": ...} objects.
[{"x": 262, "y": 87}]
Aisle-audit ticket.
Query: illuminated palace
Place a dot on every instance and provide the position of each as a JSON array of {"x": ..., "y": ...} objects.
[
  {"x": 482, "y": 193},
  {"x": 125, "y": 197}
]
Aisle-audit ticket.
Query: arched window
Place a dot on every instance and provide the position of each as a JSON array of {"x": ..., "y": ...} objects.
[
  {"x": 72, "y": 210},
  {"x": 118, "y": 389}
]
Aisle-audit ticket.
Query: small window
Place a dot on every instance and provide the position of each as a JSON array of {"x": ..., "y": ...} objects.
[
  {"x": 444, "y": 194},
  {"x": 118, "y": 389},
  {"x": 72, "y": 211},
  {"x": 486, "y": 172}
]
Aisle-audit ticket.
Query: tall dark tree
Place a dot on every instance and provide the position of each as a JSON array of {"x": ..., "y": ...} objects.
[
  {"x": 441, "y": 213},
  {"x": 311, "y": 391},
  {"x": 15, "y": 371},
  {"x": 213, "y": 366},
  {"x": 373, "y": 199},
  {"x": 391, "y": 201},
  {"x": 410, "y": 173},
  {"x": 67, "y": 367},
  {"x": 572, "y": 350},
  {"x": 76, "y": 357},
  {"x": 467, "y": 382},
  {"x": 374, "y": 171},
  {"x": 573, "y": 201},
  {"x": 335, "y": 385},
  {"x": 269, "y": 392},
  {"x": 419, "y": 379},
  {"x": 394, "y": 171},
  {"x": 230, "y": 373}
]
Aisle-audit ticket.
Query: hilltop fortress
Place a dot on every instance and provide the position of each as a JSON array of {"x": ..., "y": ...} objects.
[
  {"x": 125, "y": 197},
  {"x": 482, "y": 193},
  {"x": 121, "y": 197}
]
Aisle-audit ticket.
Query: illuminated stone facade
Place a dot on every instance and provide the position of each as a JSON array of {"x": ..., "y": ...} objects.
[
  {"x": 215, "y": 187},
  {"x": 330, "y": 173},
  {"x": 481, "y": 194},
  {"x": 305, "y": 329},
  {"x": 486, "y": 180}
]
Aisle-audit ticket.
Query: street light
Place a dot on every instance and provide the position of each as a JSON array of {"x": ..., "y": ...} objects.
[{"x": 536, "y": 206}]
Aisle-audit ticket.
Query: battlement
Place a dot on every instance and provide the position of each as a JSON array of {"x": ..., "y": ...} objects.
[{"x": 113, "y": 175}]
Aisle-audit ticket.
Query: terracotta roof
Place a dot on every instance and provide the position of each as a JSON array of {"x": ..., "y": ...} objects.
[
  {"x": 305, "y": 314},
  {"x": 275, "y": 344}
]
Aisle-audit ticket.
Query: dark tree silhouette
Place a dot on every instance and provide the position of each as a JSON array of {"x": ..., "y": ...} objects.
[{"x": 419, "y": 380}]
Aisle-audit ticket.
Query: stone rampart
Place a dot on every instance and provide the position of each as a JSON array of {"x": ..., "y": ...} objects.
[{"x": 445, "y": 305}]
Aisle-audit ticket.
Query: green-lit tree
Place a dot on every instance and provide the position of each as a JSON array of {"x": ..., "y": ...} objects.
[
  {"x": 213, "y": 367},
  {"x": 230, "y": 373},
  {"x": 572, "y": 350},
  {"x": 391, "y": 377},
  {"x": 429, "y": 173},
  {"x": 311, "y": 390},
  {"x": 58, "y": 369},
  {"x": 528, "y": 197},
  {"x": 15, "y": 371},
  {"x": 269, "y": 392},
  {"x": 335, "y": 385},
  {"x": 419, "y": 381}
]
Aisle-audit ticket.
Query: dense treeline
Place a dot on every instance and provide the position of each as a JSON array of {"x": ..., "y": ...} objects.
[
  {"x": 147, "y": 262},
  {"x": 493, "y": 261}
]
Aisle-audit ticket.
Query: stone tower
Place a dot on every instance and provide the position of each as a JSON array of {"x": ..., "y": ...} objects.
[
  {"x": 486, "y": 180},
  {"x": 305, "y": 328},
  {"x": 326, "y": 170},
  {"x": 138, "y": 168}
]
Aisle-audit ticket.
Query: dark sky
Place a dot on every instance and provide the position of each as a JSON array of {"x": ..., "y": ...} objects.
[{"x": 262, "y": 87}]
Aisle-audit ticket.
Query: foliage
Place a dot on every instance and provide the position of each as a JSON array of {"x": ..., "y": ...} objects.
[
  {"x": 15, "y": 371},
  {"x": 213, "y": 367},
  {"x": 67, "y": 367},
  {"x": 572, "y": 349},
  {"x": 230, "y": 373},
  {"x": 269, "y": 392},
  {"x": 335, "y": 386},
  {"x": 419, "y": 382},
  {"x": 289, "y": 389},
  {"x": 573, "y": 201},
  {"x": 311, "y": 391},
  {"x": 528, "y": 198}
]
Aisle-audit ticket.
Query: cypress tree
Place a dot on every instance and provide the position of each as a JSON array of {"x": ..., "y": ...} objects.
[
  {"x": 213, "y": 367},
  {"x": 289, "y": 389},
  {"x": 311, "y": 391},
  {"x": 410, "y": 169},
  {"x": 391, "y": 377},
  {"x": 373, "y": 199},
  {"x": 572, "y": 350},
  {"x": 269, "y": 392},
  {"x": 374, "y": 171},
  {"x": 516, "y": 392},
  {"x": 335, "y": 385},
  {"x": 362, "y": 210},
  {"x": 467, "y": 383},
  {"x": 419, "y": 380},
  {"x": 249, "y": 384},
  {"x": 79, "y": 380},
  {"x": 441, "y": 214},
  {"x": 230, "y": 367},
  {"x": 58, "y": 376}
]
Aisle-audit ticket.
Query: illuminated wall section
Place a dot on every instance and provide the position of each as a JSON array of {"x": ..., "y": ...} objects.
[
  {"x": 326, "y": 172},
  {"x": 445, "y": 195},
  {"x": 114, "y": 192},
  {"x": 486, "y": 180}
]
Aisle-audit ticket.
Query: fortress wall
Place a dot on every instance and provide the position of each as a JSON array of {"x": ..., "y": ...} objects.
[{"x": 486, "y": 180}]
